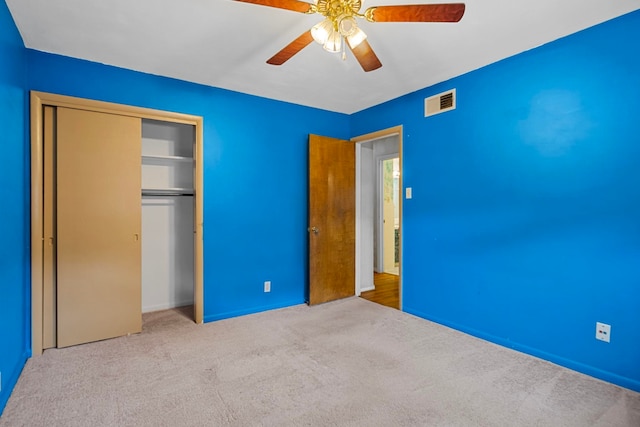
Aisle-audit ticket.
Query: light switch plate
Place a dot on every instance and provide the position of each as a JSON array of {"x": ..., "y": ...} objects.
[{"x": 408, "y": 192}]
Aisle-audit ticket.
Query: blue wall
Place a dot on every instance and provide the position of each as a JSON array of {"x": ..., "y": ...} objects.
[
  {"x": 524, "y": 226},
  {"x": 255, "y": 175},
  {"x": 14, "y": 217}
]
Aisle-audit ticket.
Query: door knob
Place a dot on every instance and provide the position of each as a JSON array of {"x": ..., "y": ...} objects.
[{"x": 314, "y": 229}]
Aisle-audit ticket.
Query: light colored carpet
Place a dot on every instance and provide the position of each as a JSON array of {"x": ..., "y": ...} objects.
[{"x": 346, "y": 363}]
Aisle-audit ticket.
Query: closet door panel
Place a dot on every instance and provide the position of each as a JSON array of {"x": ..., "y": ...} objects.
[
  {"x": 98, "y": 225},
  {"x": 49, "y": 326}
]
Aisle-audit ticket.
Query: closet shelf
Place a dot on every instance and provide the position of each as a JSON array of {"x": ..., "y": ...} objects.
[
  {"x": 167, "y": 158},
  {"x": 167, "y": 191}
]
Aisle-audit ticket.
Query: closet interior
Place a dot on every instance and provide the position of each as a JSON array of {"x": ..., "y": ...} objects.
[{"x": 167, "y": 215}]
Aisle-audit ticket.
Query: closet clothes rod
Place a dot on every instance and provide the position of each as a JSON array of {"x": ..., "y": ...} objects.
[{"x": 167, "y": 192}]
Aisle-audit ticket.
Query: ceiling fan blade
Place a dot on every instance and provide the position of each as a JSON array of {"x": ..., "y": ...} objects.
[
  {"x": 291, "y": 49},
  {"x": 451, "y": 12},
  {"x": 365, "y": 56},
  {"x": 295, "y": 5}
]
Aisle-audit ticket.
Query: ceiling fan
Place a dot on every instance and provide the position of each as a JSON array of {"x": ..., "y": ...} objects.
[{"x": 340, "y": 26}]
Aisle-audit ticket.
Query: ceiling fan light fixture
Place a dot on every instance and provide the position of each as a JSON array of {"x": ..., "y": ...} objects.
[
  {"x": 339, "y": 26},
  {"x": 356, "y": 38},
  {"x": 321, "y": 31},
  {"x": 333, "y": 43},
  {"x": 347, "y": 25}
]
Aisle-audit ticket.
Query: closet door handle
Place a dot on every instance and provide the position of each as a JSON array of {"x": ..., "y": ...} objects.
[{"x": 136, "y": 236}]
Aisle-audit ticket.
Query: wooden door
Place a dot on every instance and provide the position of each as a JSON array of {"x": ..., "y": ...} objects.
[
  {"x": 98, "y": 226},
  {"x": 331, "y": 219}
]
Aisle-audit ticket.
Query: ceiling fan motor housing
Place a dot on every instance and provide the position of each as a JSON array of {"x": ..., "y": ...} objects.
[{"x": 342, "y": 13}]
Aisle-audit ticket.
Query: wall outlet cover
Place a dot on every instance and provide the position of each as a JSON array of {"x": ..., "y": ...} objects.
[{"x": 603, "y": 332}]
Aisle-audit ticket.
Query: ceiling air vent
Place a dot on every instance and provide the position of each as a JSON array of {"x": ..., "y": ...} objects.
[{"x": 440, "y": 103}]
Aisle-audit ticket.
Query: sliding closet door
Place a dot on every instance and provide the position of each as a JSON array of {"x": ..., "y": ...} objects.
[{"x": 98, "y": 226}]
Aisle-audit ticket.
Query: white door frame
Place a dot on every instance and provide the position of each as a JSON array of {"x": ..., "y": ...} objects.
[{"x": 396, "y": 130}]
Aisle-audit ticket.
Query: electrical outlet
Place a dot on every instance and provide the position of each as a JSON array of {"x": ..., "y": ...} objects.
[
  {"x": 603, "y": 332},
  {"x": 267, "y": 286}
]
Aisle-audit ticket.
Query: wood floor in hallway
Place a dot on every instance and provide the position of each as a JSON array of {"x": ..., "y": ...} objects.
[{"x": 386, "y": 291}]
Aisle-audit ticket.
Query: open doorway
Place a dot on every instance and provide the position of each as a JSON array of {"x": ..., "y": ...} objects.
[
  {"x": 387, "y": 229},
  {"x": 378, "y": 217}
]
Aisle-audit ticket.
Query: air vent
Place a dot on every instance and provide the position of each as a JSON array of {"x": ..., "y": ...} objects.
[{"x": 440, "y": 103}]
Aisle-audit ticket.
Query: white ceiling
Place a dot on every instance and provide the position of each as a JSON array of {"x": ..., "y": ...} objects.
[{"x": 225, "y": 43}]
